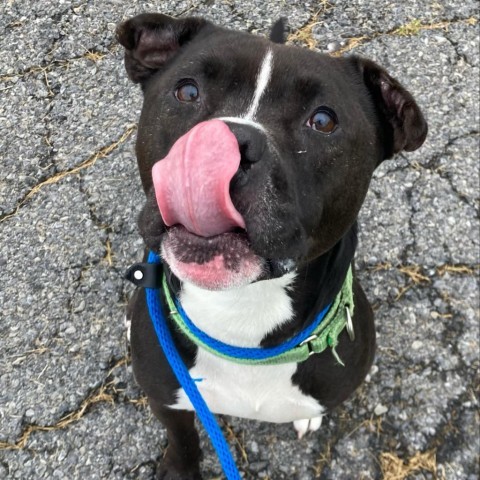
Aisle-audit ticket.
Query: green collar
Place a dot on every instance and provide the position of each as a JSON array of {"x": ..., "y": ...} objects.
[{"x": 325, "y": 335}]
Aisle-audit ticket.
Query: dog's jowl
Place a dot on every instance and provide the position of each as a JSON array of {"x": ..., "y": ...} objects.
[{"x": 255, "y": 158}]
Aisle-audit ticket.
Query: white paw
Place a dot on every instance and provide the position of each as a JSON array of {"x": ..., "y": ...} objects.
[{"x": 307, "y": 425}]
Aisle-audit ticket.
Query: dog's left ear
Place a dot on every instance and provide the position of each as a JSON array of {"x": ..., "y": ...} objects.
[
  {"x": 152, "y": 39},
  {"x": 404, "y": 126}
]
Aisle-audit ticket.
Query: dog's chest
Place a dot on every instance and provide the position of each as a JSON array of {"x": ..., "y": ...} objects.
[{"x": 243, "y": 317}]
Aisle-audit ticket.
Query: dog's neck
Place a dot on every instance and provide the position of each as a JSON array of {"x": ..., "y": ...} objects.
[
  {"x": 270, "y": 311},
  {"x": 241, "y": 316}
]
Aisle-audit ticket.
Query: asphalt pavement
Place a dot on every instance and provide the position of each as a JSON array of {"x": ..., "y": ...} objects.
[{"x": 69, "y": 197}]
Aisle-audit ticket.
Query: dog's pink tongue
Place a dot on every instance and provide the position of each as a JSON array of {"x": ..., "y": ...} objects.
[{"x": 192, "y": 182}]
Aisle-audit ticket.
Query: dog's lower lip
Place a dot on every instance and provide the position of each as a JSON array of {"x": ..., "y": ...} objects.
[
  {"x": 219, "y": 262},
  {"x": 191, "y": 247}
]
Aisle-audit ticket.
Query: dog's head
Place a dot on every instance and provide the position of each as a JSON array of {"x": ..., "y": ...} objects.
[{"x": 255, "y": 156}]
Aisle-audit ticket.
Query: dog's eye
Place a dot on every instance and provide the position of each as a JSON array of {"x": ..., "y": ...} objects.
[
  {"x": 187, "y": 92},
  {"x": 323, "y": 120}
]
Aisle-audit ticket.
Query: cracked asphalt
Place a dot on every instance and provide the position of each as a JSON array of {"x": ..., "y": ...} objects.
[{"x": 69, "y": 197}]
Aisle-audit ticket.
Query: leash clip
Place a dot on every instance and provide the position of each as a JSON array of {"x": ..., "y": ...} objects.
[{"x": 350, "y": 331}]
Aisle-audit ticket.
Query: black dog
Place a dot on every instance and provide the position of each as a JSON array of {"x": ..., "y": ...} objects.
[{"x": 266, "y": 155}]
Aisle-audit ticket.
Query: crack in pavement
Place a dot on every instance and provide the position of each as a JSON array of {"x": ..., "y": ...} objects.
[
  {"x": 448, "y": 433},
  {"x": 100, "y": 394},
  {"x": 455, "y": 46},
  {"x": 407, "y": 30},
  {"x": 90, "y": 54},
  {"x": 304, "y": 34},
  {"x": 421, "y": 277},
  {"x": 408, "y": 249},
  {"x": 417, "y": 273},
  {"x": 108, "y": 229},
  {"x": 148, "y": 463},
  {"x": 432, "y": 164},
  {"x": 91, "y": 160},
  {"x": 104, "y": 393}
]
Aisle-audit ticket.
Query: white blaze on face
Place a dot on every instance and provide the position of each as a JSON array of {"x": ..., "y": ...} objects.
[{"x": 263, "y": 79}]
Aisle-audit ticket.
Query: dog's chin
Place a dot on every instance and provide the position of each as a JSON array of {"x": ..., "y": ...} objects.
[{"x": 221, "y": 262}]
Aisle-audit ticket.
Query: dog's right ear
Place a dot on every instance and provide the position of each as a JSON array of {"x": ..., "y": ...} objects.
[{"x": 152, "y": 39}]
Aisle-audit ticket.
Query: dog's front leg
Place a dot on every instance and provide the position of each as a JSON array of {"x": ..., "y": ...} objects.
[{"x": 182, "y": 456}]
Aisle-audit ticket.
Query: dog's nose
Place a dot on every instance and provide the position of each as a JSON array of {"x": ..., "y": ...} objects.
[{"x": 251, "y": 143}]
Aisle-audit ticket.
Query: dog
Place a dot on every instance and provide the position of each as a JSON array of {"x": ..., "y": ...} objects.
[{"x": 255, "y": 158}]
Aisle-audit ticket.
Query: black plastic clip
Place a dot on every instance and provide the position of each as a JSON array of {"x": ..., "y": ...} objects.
[{"x": 148, "y": 275}]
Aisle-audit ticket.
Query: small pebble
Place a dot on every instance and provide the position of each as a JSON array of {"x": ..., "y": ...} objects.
[
  {"x": 380, "y": 410},
  {"x": 80, "y": 307},
  {"x": 417, "y": 344},
  {"x": 333, "y": 47},
  {"x": 257, "y": 467}
]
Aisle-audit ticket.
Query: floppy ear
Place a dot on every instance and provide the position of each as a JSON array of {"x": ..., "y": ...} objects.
[
  {"x": 403, "y": 123},
  {"x": 151, "y": 39}
]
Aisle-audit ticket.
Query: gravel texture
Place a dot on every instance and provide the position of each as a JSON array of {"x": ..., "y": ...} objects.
[{"x": 69, "y": 197}]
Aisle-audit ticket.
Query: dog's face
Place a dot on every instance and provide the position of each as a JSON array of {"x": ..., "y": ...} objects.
[{"x": 278, "y": 168}]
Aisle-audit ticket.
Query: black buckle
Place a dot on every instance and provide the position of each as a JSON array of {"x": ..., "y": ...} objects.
[{"x": 148, "y": 275}]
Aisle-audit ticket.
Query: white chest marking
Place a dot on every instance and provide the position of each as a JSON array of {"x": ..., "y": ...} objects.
[{"x": 243, "y": 317}]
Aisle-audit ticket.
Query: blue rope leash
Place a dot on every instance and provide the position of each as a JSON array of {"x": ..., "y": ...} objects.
[
  {"x": 204, "y": 414},
  {"x": 188, "y": 384}
]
